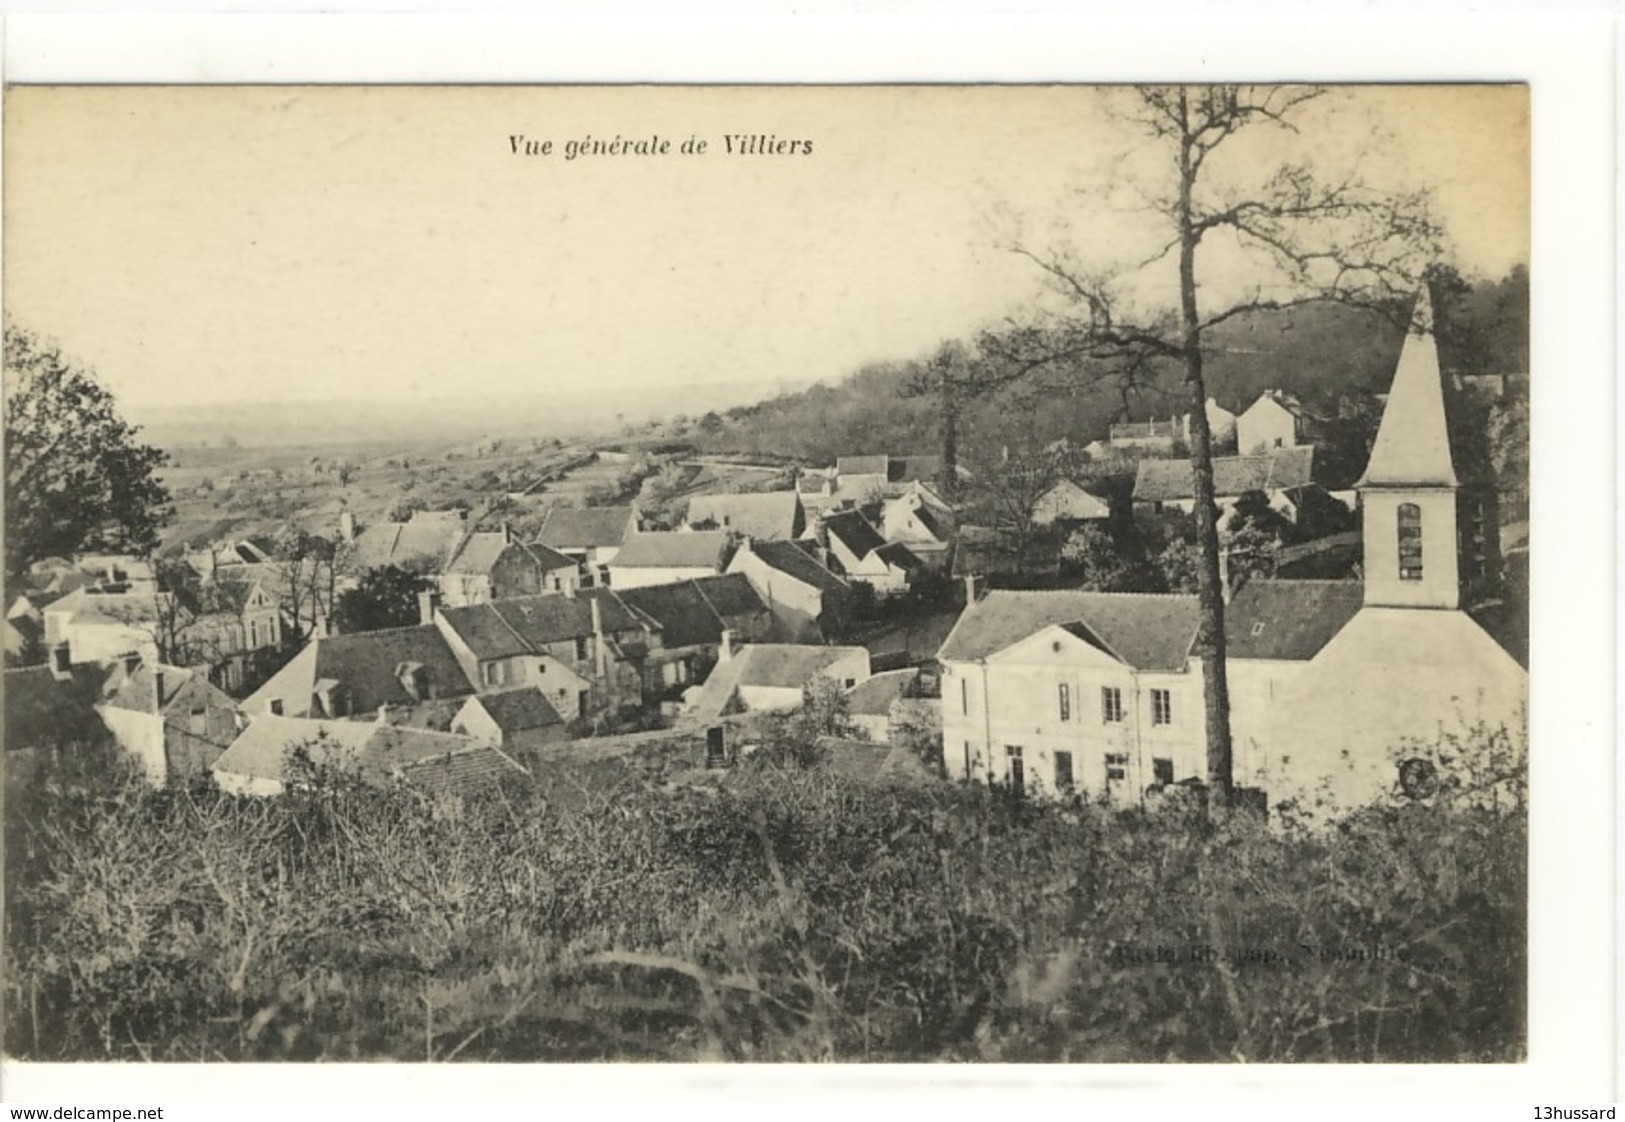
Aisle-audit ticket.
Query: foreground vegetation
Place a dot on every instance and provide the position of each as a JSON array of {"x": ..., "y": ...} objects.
[{"x": 783, "y": 914}]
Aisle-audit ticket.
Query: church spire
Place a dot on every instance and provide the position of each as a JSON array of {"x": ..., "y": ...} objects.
[{"x": 1413, "y": 442}]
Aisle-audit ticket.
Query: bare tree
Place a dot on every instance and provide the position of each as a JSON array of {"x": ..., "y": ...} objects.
[{"x": 1298, "y": 238}]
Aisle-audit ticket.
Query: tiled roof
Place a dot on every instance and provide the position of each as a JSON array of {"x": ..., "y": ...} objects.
[
  {"x": 686, "y": 617},
  {"x": 795, "y": 559},
  {"x": 369, "y": 664},
  {"x": 426, "y": 539},
  {"x": 1288, "y": 619},
  {"x": 519, "y": 709},
  {"x": 587, "y": 527},
  {"x": 1146, "y": 631},
  {"x": 854, "y": 532},
  {"x": 873, "y": 697},
  {"x": 478, "y": 553},
  {"x": 261, "y": 751},
  {"x": 769, "y": 515},
  {"x": 673, "y": 549},
  {"x": 548, "y": 558},
  {"x": 731, "y": 595},
  {"x": 1280, "y": 468},
  {"x": 525, "y": 624},
  {"x": 776, "y": 665}
]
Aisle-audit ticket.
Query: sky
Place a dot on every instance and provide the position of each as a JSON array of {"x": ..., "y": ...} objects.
[{"x": 237, "y": 245}]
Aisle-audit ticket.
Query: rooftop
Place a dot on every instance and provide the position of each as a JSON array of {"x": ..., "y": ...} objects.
[
  {"x": 1173, "y": 480},
  {"x": 1145, "y": 630},
  {"x": 1288, "y": 620},
  {"x": 587, "y": 527},
  {"x": 795, "y": 559},
  {"x": 673, "y": 549},
  {"x": 766, "y": 515}
]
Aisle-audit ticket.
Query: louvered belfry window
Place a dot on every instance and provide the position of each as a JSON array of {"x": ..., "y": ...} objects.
[{"x": 1410, "y": 541}]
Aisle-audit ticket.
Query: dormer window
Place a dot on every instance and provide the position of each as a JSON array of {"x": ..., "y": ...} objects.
[{"x": 1410, "y": 541}]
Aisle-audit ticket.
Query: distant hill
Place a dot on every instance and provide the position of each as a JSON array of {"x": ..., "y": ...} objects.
[{"x": 1320, "y": 353}]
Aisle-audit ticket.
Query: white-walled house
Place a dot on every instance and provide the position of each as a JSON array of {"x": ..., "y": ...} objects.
[
  {"x": 667, "y": 556},
  {"x": 807, "y": 600},
  {"x": 857, "y": 551},
  {"x": 771, "y": 677},
  {"x": 1068, "y": 502},
  {"x": 1072, "y": 692},
  {"x": 1331, "y": 683},
  {"x": 1275, "y": 420}
]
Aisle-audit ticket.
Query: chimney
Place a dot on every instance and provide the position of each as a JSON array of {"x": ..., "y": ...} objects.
[
  {"x": 725, "y": 649},
  {"x": 600, "y": 655},
  {"x": 428, "y": 604}
]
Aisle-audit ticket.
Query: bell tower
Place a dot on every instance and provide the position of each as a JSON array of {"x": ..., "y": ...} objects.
[{"x": 1408, "y": 492}]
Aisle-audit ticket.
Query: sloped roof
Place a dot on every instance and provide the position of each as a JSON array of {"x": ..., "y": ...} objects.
[
  {"x": 1285, "y": 400},
  {"x": 428, "y": 537},
  {"x": 1278, "y": 469},
  {"x": 861, "y": 465},
  {"x": 548, "y": 558},
  {"x": 686, "y": 619},
  {"x": 730, "y": 595},
  {"x": 135, "y": 692},
  {"x": 1145, "y": 630},
  {"x": 786, "y": 665},
  {"x": 1288, "y": 619},
  {"x": 261, "y": 750},
  {"x": 519, "y": 709},
  {"x": 854, "y": 532},
  {"x": 587, "y": 527},
  {"x": 525, "y": 624},
  {"x": 433, "y": 761},
  {"x": 795, "y": 559},
  {"x": 368, "y": 663},
  {"x": 898, "y": 554},
  {"x": 1413, "y": 441},
  {"x": 769, "y": 515},
  {"x": 873, "y": 697},
  {"x": 673, "y": 549},
  {"x": 478, "y": 553}
]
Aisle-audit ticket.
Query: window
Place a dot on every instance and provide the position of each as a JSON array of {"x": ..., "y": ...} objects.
[
  {"x": 1116, "y": 766},
  {"x": 1410, "y": 541},
  {"x": 1162, "y": 772},
  {"x": 1018, "y": 774},
  {"x": 964, "y": 695},
  {"x": 1063, "y": 771},
  {"x": 1162, "y": 707},
  {"x": 493, "y": 673},
  {"x": 581, "y": 648},
  {"x": 1064, "y": 697},
  {"x": 198, "y": 722},
  {"x": 967, "y": 759},
  {"x": 275, "y": 706},
  {"x": 1111, "y": 705}
]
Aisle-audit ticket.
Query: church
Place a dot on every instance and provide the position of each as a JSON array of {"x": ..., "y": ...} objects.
[{"x": 1334, "y": 684}]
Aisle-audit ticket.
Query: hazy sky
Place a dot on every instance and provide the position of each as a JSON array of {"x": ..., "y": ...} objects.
[{"x": 217, "y": 245}]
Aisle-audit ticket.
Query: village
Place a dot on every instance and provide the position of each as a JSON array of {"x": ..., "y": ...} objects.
[
  {"x": 884, "y": 606},
  {"x": 444, "y": 649}
]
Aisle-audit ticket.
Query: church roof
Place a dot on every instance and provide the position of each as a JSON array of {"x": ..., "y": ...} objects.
[{"x": 1413, "y": 442}]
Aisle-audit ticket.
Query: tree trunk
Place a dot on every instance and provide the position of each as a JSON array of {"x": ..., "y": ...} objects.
[
  {"x": 948, "y": 395},
  {"x": 1209, "y": 645}
]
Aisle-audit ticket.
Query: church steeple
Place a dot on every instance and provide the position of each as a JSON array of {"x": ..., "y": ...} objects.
[{"x": 1408, "y": 492}]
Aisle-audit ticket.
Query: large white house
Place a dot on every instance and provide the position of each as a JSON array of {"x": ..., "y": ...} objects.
[{"x": 1097, "y": 693}]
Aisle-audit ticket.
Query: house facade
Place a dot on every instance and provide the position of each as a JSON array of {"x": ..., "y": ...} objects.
[
  {"x": 1275, "y": 420},
  {"x": 808, "y": 601},
  {"x": 170, "y": 719},
  {"x": 858, "y": 552},
  {"x": 1067, "y": 503},
  {"x": 1331, "y": 682}
]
